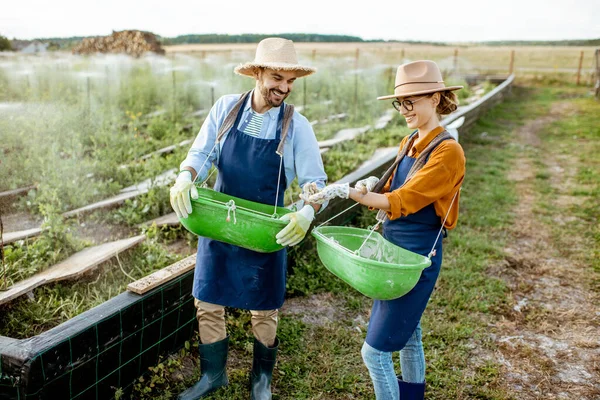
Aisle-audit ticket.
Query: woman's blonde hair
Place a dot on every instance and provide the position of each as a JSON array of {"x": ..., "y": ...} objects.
[{"x": 448, "y": 103}]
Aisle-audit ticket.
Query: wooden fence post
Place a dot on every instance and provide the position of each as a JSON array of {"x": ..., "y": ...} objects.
[
  {"x": 356, "y": 81},
  {"x": 455, "y": 67},
  {"x": 512, "y": 62},
  {"x": 579, "y": 68},
  {"x": 597, "y": 87},
  {"x": 392, "y": 77},
  {"x": 174, "y": 94}
]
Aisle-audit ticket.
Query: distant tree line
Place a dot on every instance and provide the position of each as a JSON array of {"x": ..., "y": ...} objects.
[
  {"x": 68, "y": 42},
  {"x": 255, "y": 38},
  {"x": 579, "y": 42}
]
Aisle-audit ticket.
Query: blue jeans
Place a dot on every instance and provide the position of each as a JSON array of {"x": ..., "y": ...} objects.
[{"x": 381, "y": 366}]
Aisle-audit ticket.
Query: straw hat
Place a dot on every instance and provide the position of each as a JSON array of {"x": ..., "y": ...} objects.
[
  {"x": 418, "y": 77},
  {"x": 275, "y": 53}
]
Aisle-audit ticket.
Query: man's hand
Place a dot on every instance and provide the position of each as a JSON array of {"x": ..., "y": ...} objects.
[
  {"x": 299, "y": 223},
  {"x": 329, "y": 192},
  {"x": 180, "y": 194},
  {"x": 308, "y": 190},
  {"x": 366, "y": 185}
]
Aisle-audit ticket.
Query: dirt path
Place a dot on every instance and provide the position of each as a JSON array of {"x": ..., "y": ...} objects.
[{"x": 549, "y": 342}]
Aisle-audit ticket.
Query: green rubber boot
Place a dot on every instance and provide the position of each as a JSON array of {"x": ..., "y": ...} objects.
[
  {"x": 213, "y": 360},
  {"x": 262, "y": 370}
]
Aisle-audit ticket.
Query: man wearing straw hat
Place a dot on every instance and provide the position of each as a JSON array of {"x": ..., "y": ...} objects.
[{"x": 259, "y": 145}]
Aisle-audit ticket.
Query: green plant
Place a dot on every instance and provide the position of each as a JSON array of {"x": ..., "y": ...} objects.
[{"x": 5, "y": 44}]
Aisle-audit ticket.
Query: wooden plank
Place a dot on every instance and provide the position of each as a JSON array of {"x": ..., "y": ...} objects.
[
  {"x": 127, "y": 193},
  {"x": 166, "y": 150},
  {"x": 11, "y": 237},
  {"x": 110, "y": 202},
  {"x": 73, "y": 267},
  {"x": 344, "y": 135},
  {"x": 164, "y": 275},
  {"x": 163, "y": 179},
  {"x": 16, "y": 192},
  {"x": 381, "y": 153},
  {"x": 165, "y": 220},
  {"x": 385, "y": 119}
]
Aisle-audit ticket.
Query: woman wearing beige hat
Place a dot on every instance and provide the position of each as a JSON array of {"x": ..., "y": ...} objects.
[
  {"x": 259, "y": 144},
  {"x": 417, "y": 198}
]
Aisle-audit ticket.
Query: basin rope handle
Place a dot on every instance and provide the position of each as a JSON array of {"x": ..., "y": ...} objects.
[
  {"x": 203, "y": 164},
  {"x": 231, "y": 209},
  {"x": 288, "y": 114},
  {"x": 373, "y": 229},
  {"x": 337, "y": 215},
  {"x": 433, "y": 252},
  {"x": 278, "y": 182},
  {"x": 225, "y": 128}
]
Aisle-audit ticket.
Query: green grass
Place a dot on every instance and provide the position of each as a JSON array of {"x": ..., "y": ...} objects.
[{"x": 575, "y": 142}]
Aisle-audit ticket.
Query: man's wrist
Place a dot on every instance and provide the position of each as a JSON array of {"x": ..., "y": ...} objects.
[
  {"x": 181, "y": 174},
  {"x": 316, "y": 207}
]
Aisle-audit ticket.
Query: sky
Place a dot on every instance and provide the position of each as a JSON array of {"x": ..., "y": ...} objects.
[{"x": 423, "y": 20}]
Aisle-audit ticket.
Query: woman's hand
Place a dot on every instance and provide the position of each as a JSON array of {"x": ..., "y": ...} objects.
[
  {"x": 330, "y": 192},
  {"x": 366, "y": 185}
]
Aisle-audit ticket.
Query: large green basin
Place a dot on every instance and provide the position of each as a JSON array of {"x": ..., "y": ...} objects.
[
  {"x": 254, "y": 226},
  {"x": 382, "y": 270}
]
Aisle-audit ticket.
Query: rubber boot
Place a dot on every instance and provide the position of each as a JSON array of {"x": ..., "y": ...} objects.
[
  {"x": 213, "y": 360},
  {"x": 411, "y": 391},
  {"x": 262, "y": 370}
]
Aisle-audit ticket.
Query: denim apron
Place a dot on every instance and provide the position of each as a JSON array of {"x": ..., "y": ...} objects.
[
  {"x": 229, "y": 275},
  {"x": 393, "y": 322}
]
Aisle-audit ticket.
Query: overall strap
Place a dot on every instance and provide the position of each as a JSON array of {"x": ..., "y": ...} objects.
[
  {"x": 424, "y": 156},
  {"x": 232, "y": 116},
  {"x": 386, "y": 176},
  {"x": 419, "y": 163},
  {"x": 287, "y": 119}
]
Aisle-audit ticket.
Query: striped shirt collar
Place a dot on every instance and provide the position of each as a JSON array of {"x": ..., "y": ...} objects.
[{"x": 273, "y": 113}]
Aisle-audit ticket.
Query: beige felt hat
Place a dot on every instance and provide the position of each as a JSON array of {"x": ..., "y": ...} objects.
[
  {"x": 275, "y": 53},
  {"x": 418, "y": 77}
]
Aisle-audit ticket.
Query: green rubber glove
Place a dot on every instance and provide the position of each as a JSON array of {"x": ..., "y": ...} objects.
[
  {"x": 180, "y": 194},
  {"x": 299, "y": 223}
]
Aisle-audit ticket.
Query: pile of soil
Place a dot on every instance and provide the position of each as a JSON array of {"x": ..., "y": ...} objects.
[{"x": 134, "y": 43}]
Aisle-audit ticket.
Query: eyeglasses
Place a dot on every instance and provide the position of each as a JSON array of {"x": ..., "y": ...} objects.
[{"x": 407, "y": 104}]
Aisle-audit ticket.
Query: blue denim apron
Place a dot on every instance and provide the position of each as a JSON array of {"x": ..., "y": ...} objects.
[
  {"x": 229, "y": 275},
  {"x": 393, "y": 321}
]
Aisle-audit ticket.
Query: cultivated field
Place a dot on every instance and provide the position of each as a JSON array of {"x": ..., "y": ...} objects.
[
  {"x": 514, "y": 315},
  {"x": 528, "y": 60}
]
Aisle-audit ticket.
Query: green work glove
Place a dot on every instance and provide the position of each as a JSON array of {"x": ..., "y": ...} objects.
[
  {"x": 180, "y": 194},
  {"x": 299, "y": 223},
  {"x": 329, "y": 192},
  {"x": 366, "y": 185}
]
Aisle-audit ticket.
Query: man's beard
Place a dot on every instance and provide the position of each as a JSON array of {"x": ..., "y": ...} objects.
[{"x": 265, "y": 94}]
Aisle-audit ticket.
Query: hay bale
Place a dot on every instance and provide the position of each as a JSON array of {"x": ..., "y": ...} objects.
[{"x": 134, "y": 43}]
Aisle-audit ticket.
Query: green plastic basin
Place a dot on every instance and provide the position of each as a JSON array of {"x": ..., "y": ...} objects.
[
  {"x": 251, "y": 226},
  {"x": 382, "y": 270}
]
